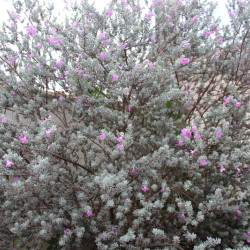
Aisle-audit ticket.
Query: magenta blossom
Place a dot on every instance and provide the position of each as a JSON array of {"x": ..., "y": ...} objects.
[
  {"x": 23, "y": 139},
  {"x": 115, "y": 78},
  {"x": 89, "y": 213},
  {"x": 182, "y": 216},
  {"x": 180, "y": 143},
  {"x": 120, "y": 139},
  {"x": 123, "y": 47},
  {"x": 31, "y": 30},
  {"x": 197, "y": 136},
  {"x": 145, "y": 189},
  {"x": 150, "y": 65},
  {"x": 168, "y": 16},
  {"x": 186, "y": 133},
  {"x": 4, "y": 120},
  {"x": 219, "y": 134},
  {"x": 192, "y": 152},
  {"x": 239, "y": 212},
  {"x": 59, "y": 63},
  {"x": 133, "y": 170},
  {"x": 102, "y": 137},
  {"x": 47, "y": 132},
  {"x": 66, "y": 230},
  {"x": 106, "y": 42},
  {"x": 110, "y": 13},
  {"x": 203, "y": 162},
  {"x": 222, "y": 169},
  {"x": 16, "y": 179},
  {"x": 120, "y": 147},
  {"x": 238, "y": 104},
  {"x": 227, "y": 100},
  {"x": 103, "y": 56},
  {"x": 152, "y": 38},
  {"x": 185, "y": 61},
  {"x": 9, "y": 163}
]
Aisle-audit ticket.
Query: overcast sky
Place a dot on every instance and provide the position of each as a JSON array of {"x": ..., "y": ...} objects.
[{"x": 6, "y": 5}]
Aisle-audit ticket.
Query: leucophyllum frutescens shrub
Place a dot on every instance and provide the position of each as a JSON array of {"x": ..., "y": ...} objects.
[{"x": 125, "y": 129}]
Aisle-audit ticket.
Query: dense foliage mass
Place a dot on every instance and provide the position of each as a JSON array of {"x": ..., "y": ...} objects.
[{"x": 126, "y": 129}]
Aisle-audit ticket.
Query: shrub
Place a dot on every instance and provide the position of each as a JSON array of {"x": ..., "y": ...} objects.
[{"x": 125, "y": 129}]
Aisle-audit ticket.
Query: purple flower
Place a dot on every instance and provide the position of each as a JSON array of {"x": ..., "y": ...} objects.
[
  {"x": 227, "y": 100},
  {"x": 194, "y": 19},
  {"x": 239, "y": 212},
  {"x": 152, "y": 38},
  {"x": 219, "y": 134},
  {"x": 185, "y": 61},
  {"x": 115, "y": 78},
  {"x": 103, "y": 56},
  {"x": 180, "y": 143},
  {"x": 145, "y": 189},
  {"x": 133, "y": 170},
  {"x": 203, "y": 162},
  {"x": 120, "y": 147},
  {"x": 66, "y": 230},
  {"x": 31, "y": 55},
  {"x": 4, "y": 120},
  {"x": 79, "y": 100},
  {"x": 185, "y": 43},
  {"x": 9, "y": 163},
  {"x": 89, "y": 213},
  {"x": 197, "y": 136},
  {"x": 102, "y": 137},
  {"x": 31, "y": 30},
  {"x": 47, "y": 132},
  {"x": 106, "y": 42},
  {"x": 23, "y": 139},
  {"x": 150, "y": 65},
  {"x": 186, "y": 132},
  {"x": 120, "y": 139},
  {"x": 222, "y": 169},
  {"x": 168, "y": 16},
  {"x": 192, "y": 152},
  {"x": 110, "y": 13},
  {"x": 182, "y": 216},
  {"x": 59, "y": 63},
  {"x": 123, "y": 47},
  {"x": 238, "y": 104},
  {"x": 16, "y": 179}
]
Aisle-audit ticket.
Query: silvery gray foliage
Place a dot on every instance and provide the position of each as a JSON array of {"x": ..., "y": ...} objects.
[{"x": 126, "y": 129}]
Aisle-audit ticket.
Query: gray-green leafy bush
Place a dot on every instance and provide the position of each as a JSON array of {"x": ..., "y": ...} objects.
[{"x": 126, "y": 129}]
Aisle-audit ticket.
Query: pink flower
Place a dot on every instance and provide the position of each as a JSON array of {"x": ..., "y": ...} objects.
[
  {"x": 84, "y": 76},
  {"x": 163, "y": 189},
  {"x": 66, "y": 230},
  {"x": 149, "y": 15},
  {"x": 103, "y": 35},
  {"x": 219, "y": 134},
  {"x": 123, "y": 47},
  {"x": 150, "y": 65},
  {"x": 239, "y": 212},
  {"x": 110, "y": 13},
  {"x": 186, "y": 132},
  {"x": 9, "y": 163},
  {"x": 16, "y": 179},
  {"x": 153, "y": 5},
  {"x": 31, "y": 55},
  {"x": 193, "y": 129},
  {"x": 222, "y": 169},
  {"x": 133, "y": 170},
  {"x": 59, "y": 63},
  {"x": 180, "y": 143},
  {"x": 185, "y": 42},
  {"x": 185, "y": 61},
  {"x": 4, "y": 120},
  {"x": 120, "y": 139},
  {"x": 235, "y": 217},
  {"x": 102, "y": 137},
  {"x": 121, "y": 147},
  {"x": 182, "y": 216},
  {"x": 194, "y": 19},
  {"x": 238, "y": 104},
  {"x": 192, "y": 152},
  {"x": 197, "y": 136},
  {"x": 103, "y": 56},
  {"x": 203, "y": 162},
  {"x": 227, "y": 100},
  {"x": 54, "y": 40},
  {"x": 31, "y": 31},
  {"x": 152, "y": 38},
  {"x": 66, "y": 73},
  {"x": 168, "y": 16},
  {"x": 89, "y": 213},
  {"x": 47, "y": 132},
  {"x": 106, "y": 42},
  {"x": 145, "y": 189},
  {"x": 115, "y": 78},
  {"x": 239, "y": 171},
  {"x": 79, "y": 100},
  {"x": 23, "y": 139}
]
